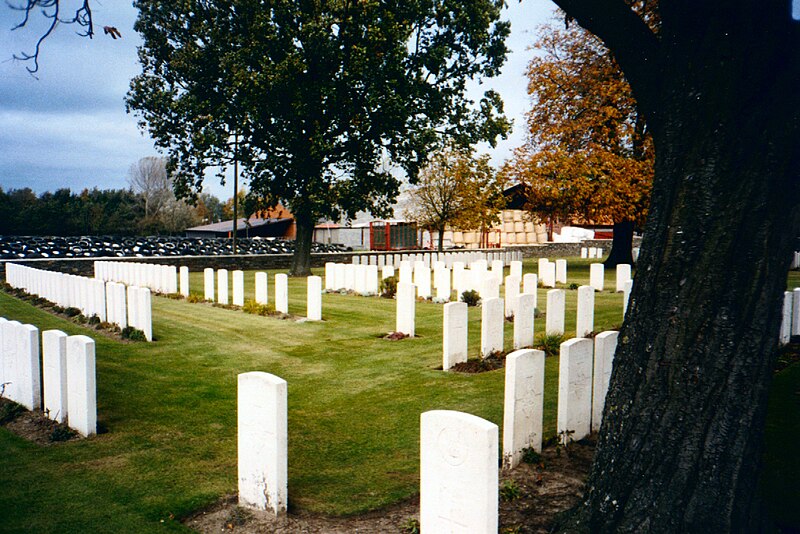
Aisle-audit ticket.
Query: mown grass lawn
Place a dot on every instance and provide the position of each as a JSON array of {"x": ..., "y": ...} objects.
[{"x": 168, "y": 409}]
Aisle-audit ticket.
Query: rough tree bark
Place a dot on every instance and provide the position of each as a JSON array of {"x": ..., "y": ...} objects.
[
  {"x": 680, "y": 445},
  {"x": 621, "y": 245}
]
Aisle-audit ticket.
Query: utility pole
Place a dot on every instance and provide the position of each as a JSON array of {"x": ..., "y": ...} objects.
[{"x": 235, "y": 187}]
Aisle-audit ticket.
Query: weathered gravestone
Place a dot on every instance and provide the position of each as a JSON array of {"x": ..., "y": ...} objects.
[
  {"x": 523, "y": 407},
  {"x": 459, "y": 474}
]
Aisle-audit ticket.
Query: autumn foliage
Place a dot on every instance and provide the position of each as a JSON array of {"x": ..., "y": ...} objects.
[{"x": 588, "y": 157}]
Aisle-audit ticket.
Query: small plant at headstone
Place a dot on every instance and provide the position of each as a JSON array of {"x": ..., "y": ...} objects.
[
  {"x": 510, "y": 491},
  {"x": 62, "y": 433},
  {"x": 133, "y": 334},
  {"x": 174, "y": 296},
  {"x": 564, "y": 441},
  {"x": 511, "y": 529},
  {"x": 530, "y": 456},
  {"x": 388, "y": 287},
  {"x": 94, "y": 320},
  {"x": 470, "y": 298},
  {"x": 573, "y": 285},
  {"x": 71, "y": 312},
  {"x": 195, "y": 299},
  {"x": 549, "y": 343},
  {"x": 537, "y": 314},
  {"x": 254, "y": 308},
  {"x": 238, "y": 517},
  {"x": 10, "y": 411},
  {"x": 411, "y": 526}
]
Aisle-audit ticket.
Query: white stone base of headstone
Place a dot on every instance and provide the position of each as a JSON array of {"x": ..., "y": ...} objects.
[
  {"x": 459, "y": 474},
  {"x": 524, "y": 404},
  {"x": 262, "y": 442}
]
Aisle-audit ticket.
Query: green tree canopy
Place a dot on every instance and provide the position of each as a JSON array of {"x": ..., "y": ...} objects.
[{"x": 316, "y": 101}]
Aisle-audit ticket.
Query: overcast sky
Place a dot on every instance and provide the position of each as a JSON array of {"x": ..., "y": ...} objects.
[{"x": 69, "y": 128}]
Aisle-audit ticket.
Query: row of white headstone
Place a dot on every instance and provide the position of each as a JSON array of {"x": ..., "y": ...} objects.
[
  {"x": 64, "y": 370},
  {"x": 459, "y": 472},
  {"x": 493, "y": 314},
  {"x": 222, "y": 293},
  {"x": 110, "y": 302},
  {"x": 591, "y": 252},
  {"x": 430, "y": 258},
  {"x": 159, "y": 278}
]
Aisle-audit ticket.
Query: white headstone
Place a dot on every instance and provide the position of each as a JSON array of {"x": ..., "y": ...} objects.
[
  {"x": 584, "y": 252},
  {"x": 524, "y": 404},
  {"x": 574, "y": 390},
  {"x": 184, "y": 277},
  {"x": 530, "y": 285},
  {"x": 459, "y": 474},
  {"x": 144, "y": 312},
  {"x": 406, "y": 308},
  {"x": 516, "y": 269},
  {"x": 9, "y": 353},
  {"x": 222, "y": 286},
  {"x": 584, "y": 323},
  {"x": 492, "y": 322},
  {"x": 422, "y": 279},
  {"x": 511, "y": 294},
  {"x": 238, "y": 288},
  {"x": 372, "y": 283},
  {"x": 281, "y": 293},
  {"x": 29, "y": 385},
  {"x": 81, "y": 384},
  {"x": 488, "y": 285},
  {"x": 330, "y": 276},
  {"x": 554, "y": 315},
  {"x": 406, "y": 272},
  {"x": 524, "y": 321},
  {"x": 623, "y": 275},
  {"x": 626, "y": 296},
  {"x": 497, "y": 268},
  {"x": 786, "y": 323},
  {"x": 340, "y": 276},
  {"x": 548, "y": 274},
  {"x": 387, "y": 272},
  {"x": 596, "y": 276},
  {"x": 605, "y": 344},
  {"x": 561, "y": 271},
  {"x": 54, "y": 374},
  {"x": 208, "y": 284},
  {"x": 796, "y": 312},
  {"x": 262, "y": 441},
  {"x": 262, "y": 288},
  {"x": 454, "y": 342},
  {"x": 314, "y": 298}
]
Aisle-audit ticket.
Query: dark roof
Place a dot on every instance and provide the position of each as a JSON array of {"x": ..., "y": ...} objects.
[
  {"x": 226, "y": 226},
  {"x": 515, "y": 197}
]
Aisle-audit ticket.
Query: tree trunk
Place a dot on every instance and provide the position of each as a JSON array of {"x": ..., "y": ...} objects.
[
  {"x": 680, "y": 446},
  {"x": 440, "y": 246},
  {"x": 621, "y": 245},
  {"x": 301, "y": 259}
]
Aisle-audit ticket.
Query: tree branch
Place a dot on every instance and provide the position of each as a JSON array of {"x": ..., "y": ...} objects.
[{"x": 634, "y": 45}]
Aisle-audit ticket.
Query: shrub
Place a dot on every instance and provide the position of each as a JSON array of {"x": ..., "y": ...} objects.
[
  {"x": 530, "y": 456},
  {"x": 549, "y": 343},
  {"x": 10, "y": 411},
  {"x": 194, "y": 298},
  {"x": 471, "y": 297},
  {"x": 94, "y": 320},
  {"x": 133, "y": 334},
  {"x": 509, "y": 491},
  {"x": 573, "y": 285},
  {"x": 62, "y": 433},
  {"x": 388, "y": 287},
  {"x": 254, "y": 308},
  {"x": 71, "y": 312}
]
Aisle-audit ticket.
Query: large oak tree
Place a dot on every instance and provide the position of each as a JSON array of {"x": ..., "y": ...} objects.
[
  {"x": 311, "y": 98},
  {"x": 680, "y": 445}
]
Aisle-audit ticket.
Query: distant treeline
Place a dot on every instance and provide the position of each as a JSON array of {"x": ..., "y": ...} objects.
[{"x": 97, "y": 212}]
